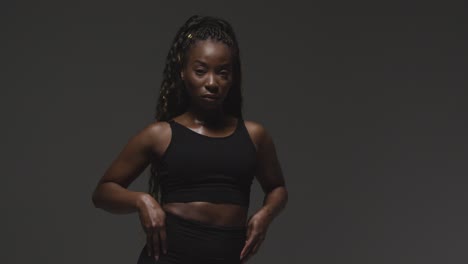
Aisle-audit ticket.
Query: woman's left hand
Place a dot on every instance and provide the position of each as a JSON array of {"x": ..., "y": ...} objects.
[{"x": 256, "y": 231}]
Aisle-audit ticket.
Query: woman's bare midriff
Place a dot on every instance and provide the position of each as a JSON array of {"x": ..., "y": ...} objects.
[{"x": 210, "y": 213}]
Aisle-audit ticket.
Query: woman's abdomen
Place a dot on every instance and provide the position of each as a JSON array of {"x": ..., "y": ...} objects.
[{"x": 210, "y": 213}]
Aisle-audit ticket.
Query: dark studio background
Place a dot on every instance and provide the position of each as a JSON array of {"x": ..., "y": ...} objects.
[{"x": 366, "y": 103}]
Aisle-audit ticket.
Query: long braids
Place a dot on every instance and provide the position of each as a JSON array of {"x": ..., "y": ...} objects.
[{"x": 173, "y": 98}]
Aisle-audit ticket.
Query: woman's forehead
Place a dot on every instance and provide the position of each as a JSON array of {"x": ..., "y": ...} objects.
[{"x": 210, "y": 50}]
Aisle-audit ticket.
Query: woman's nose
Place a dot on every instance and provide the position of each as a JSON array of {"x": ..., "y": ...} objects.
[{"x": 211, "y": 81}]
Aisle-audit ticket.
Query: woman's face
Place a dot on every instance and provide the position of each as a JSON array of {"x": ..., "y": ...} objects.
[{"x": 208, "y": 73}]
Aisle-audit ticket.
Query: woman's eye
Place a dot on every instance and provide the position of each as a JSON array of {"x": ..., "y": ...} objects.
[{"x": 199, "y": 72}]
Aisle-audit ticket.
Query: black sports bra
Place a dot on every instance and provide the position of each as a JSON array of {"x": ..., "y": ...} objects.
[{"x": 197, "y": 167}]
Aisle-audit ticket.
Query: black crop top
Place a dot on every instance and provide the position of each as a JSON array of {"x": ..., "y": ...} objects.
[{"x": 197, "y": 167}]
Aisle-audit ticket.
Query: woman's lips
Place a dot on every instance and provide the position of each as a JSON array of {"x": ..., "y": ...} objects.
[{"x": 210, "y": 98}]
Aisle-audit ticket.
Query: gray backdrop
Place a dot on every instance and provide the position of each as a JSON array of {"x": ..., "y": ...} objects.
[{"x": 366, "y": 103}]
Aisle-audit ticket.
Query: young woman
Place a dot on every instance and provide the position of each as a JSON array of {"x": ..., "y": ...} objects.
[{"x": 203, "y": 158}]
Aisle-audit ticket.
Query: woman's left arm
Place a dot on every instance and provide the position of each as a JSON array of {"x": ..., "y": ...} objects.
[{"x": 270, "y": 177}]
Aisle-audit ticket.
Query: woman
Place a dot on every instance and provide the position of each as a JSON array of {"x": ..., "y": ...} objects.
[{"x": 203, "y": 158}]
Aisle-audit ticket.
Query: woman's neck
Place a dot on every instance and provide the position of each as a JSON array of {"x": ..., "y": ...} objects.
[{"x": 209, "y": 117}]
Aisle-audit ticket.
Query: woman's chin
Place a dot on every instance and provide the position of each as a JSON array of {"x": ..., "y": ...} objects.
[{"x": 210, "y": 104}]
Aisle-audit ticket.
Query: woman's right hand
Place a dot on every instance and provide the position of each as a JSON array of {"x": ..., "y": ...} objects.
[{"x": 153, "y": 221}]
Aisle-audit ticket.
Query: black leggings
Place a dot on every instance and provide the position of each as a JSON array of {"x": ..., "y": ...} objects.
[{"x": 194, "y": 242}]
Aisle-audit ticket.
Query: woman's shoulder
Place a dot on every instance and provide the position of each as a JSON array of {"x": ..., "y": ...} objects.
[
  {"x": 155, "y": 134},
  {"x": 254, "y": 127},
  {"x": 155, "y": 128},
  {"x": 257, "y": 131}
]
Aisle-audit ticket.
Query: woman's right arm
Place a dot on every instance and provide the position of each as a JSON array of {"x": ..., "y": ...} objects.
[{"x": 111, "y": 193}]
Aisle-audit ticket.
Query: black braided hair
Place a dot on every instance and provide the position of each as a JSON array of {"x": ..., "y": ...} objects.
[{"x": 173, "y": 98}]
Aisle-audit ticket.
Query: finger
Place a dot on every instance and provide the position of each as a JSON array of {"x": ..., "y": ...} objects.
[
  {"x": 149, "y": 244},
  {"x": 163, "y": 236},
  {"x": 249, "y": 231},
  {"x": 248, "y": 240},
  {"x": 256, "y": 247},
  {"x": 156, "y": 244},
  {"x": 246, "y": 248},
  {"x": 254, "y": 244},
  {"x": 247, "y": 257}
]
